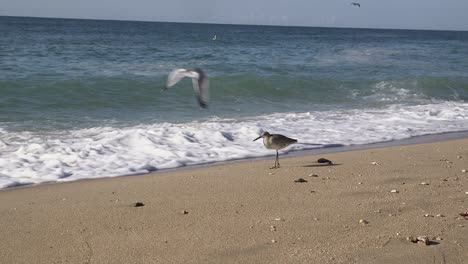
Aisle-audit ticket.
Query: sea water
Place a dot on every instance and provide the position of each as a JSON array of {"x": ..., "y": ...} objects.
[{"x": 83, "y": 98}]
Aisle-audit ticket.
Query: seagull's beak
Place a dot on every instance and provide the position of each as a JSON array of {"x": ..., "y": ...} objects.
[{"x": 258, "y": 138}]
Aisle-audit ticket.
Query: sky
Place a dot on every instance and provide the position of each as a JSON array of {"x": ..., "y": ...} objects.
[{"x": 401, "y": 14}]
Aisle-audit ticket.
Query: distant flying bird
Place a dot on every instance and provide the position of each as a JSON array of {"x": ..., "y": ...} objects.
[
  {"x": 214, "y": 38},
  {"x": 356, "y": 4},
  {"x": 277, "y": 142},
  {"x": 199, "y": 81}
]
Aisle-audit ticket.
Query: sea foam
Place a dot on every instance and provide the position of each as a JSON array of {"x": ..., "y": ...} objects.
[{"x": 36, "y": 157}]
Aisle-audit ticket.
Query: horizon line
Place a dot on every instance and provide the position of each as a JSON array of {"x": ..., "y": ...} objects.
[{"x": 234, "y": 24}]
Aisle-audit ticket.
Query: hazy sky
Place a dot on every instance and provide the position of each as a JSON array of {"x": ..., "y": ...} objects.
[{"x": 413, "y": 14}]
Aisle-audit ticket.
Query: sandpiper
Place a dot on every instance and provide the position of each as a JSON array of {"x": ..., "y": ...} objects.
[{"x": 276, "y": 142}]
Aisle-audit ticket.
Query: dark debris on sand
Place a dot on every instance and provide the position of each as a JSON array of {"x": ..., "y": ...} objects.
[
  {"x": 324, "y": 160},
  {"x": 300, "y": 180}
]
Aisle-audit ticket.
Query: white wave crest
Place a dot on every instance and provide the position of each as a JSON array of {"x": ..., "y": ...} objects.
[{"x": 27, "y": 158}]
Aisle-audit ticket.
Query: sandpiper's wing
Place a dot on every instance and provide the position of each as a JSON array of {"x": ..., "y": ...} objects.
[
  {"x": 176, "y": 75},
  {"x": 201, "y": 86},
  {"x": 282, "y": 140}
]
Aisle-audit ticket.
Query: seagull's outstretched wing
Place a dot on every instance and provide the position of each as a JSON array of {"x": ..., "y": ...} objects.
[
  {"x": 199, "y": 80},
  {"x": 176, "y": 75},
  {"x": 201, "y": 87}
]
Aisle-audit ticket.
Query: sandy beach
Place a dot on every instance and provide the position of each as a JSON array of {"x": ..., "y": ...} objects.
[{"x": 359, "y": 210}]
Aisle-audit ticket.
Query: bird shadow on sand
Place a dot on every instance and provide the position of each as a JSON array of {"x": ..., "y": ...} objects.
[{"x": 321, "y": 165}]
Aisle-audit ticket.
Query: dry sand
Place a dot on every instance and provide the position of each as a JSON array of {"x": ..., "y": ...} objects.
[{"x": 243, "y": 212}]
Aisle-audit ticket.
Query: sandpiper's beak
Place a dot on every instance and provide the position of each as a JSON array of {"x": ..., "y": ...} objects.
[{"x": 258, "y": 138}]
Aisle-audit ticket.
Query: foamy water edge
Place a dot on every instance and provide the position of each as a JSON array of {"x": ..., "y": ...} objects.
[{"x": 32, "y": 158}]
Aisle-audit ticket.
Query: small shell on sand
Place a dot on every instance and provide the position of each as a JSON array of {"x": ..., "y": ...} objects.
[
  {"x": 394, "y": 191},
  {"x": 375, "y": 163},
  {"x": 428, "y": 215},
  {"x": 423, "y": 239},
  {"x": 424, "y": 183},
  {"x": 419, "y": 239},
  {"x": 363, "y": 222}
]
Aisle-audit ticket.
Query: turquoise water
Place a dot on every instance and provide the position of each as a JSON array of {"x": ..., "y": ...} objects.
[{"x": 76, "y": 91}]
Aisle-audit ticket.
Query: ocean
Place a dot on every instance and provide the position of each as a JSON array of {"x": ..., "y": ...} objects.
[{"x": 83, "y": 98}]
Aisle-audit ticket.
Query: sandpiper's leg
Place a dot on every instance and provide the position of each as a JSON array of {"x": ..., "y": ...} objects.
[
  {"x": 274, "y": 167},
  {"x": 277, "y": 158},
  {"x": 276, "y": 162}
]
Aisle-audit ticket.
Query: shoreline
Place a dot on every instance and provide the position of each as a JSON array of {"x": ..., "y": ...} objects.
[
  {"x": 244, "y": 212},
  {"x": 326, "y": 150}
]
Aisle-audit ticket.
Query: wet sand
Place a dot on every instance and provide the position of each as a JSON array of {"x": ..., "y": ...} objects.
[{"x": 243, "y": 212}]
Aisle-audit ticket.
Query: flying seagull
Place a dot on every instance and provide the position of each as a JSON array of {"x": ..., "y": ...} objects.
[
  {"x": 277, "y": 142},
  {"x": 199, "y": 81},
  {"x": 356, "y": 4}
]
